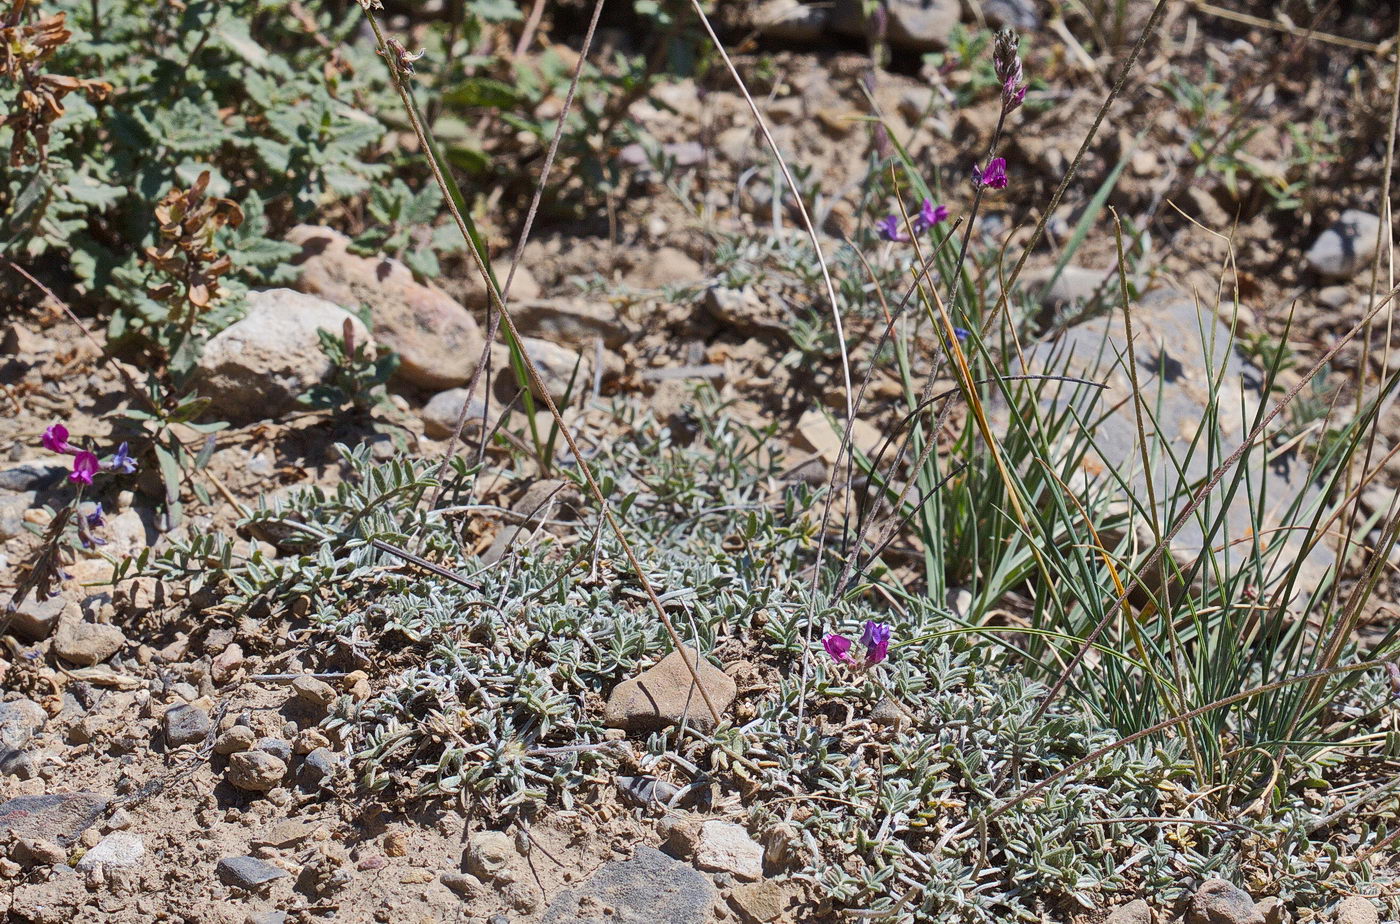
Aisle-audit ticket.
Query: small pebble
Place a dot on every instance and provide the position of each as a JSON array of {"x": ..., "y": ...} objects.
[
  {"x": 247, "y": 872},
  {"x": 313, "y": 691},
  {"x": 318, "y": 767},
  {"x": 237, "y": 738},
  {"x": 256, "y": 771},
  {"x": 282, "y": 750}
]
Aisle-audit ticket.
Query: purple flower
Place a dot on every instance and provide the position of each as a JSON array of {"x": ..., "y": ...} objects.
[
  {"x": 889, "y": 229},
  {"x": 85, "y": 465},
  {"x": 929, "y": 215},
  {"x": 994, "y": 176},
  {"x": 121, "y": 462},
  {"x": 87, "y": 524},
  {"x": 839, "y": 647},
  {"x": 96, "y": 518},
  {"x": 1013, "y": 94},
  {"x": 55, "y": 439},
  {"x": 962, "y": 333},
  {"x": 876, "y": 639}
]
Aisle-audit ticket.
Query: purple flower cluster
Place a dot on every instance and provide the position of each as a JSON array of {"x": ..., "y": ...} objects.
[
  {"x": 993, "y": 177},
  {"x": 929, "y": 215},
  {"x": 1009, "y": 70},
  {"x": 85, "y": 463},
  {"x": 875, "y": 639}
]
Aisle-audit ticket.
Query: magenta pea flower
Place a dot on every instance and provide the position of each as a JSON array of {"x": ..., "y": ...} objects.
[
  {"x": 929, "y": 215},
  {"x": 875, "y": 639},
  {"x": 55, "y": 439},
  {"x": 87, "y": 524},
  {"x": 85, "y": 465},
  {"x": 889, "y": 229},
  {"x": 994, "y": 176},
  {"x": 839, "y": 647},
  {"x": 122, "y": 461}
]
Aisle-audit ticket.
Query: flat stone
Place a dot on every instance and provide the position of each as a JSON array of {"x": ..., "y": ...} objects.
[
  {"x": 437, "y": 339},
  {"x": 1022, "y": 15},
  {"x": 59, "y": 817},
  {"x": 185, "y": 724},
  {"x": 571, "y": 321},
  {"x": 1357, "y": 910},
  {"x": 646, "y": 791},
  {"x": 1345, "y": 248},
  {"x": 266, "y": 917},
  {"x": 791, "y": 21},
  {"x": 255, "y": 771},
  {"x": 258, "y": 367},
  {"x": 760, "y": 902},
  {"x": 916, "y": 25},
  {"x": 665, "y": 693},
  {"x": 649, "y": 888},
  {"x": 464, "y": 884},
  {"x": 247, "y": 872},
  {"x": 279, "y": 748},
  {"x": 31, "y": 476},
  {"x": 1221, "y": 902},
  {"x": 313, "y": 690},
  {"x": 747, "y": 312},
  {"x": 816, "y": 433},
  {"x": 118, "y": 850},
  {"x": 285, "y": 834},
  {"x": 725, "y": 847},
  {"x": 87, "y": 643},
  {"x": 1134, "y": 912},
  {"x": 1176, "y": 375},
  {"x": 442, "y": 410}
]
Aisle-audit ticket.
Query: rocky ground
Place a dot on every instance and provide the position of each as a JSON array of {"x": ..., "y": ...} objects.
[{"x": 165, "y": 758}]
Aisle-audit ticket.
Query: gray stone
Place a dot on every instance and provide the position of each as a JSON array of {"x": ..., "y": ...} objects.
[
  {"x": 12, "y": 510},
  {"x": 87, "y": 643},
  {"x": 59, "y": 817},
  {"x": 118, "y": 850},
  {"x": 464, "y": 884},
  {"x": 185, "y": 724},
  {"x": 1220, "y": 902},
  {"x": 563, "y": 371},
  {"x": 277, "y": 747},
  {"x": 646, "y": 791},
  {"x": 31, "y": 476},
  {"x": 665, "y": 693},
  {"x": 266, "y": 917},
  {"x": 247, "y": 872},
  {"x": 442, "y": 410},
  {"x": 256, "y": 368},
  {"x": 319, "y": 767},
  {"x": 1022, "y": 15},
  {"x": 19, "y": 720},
  {"x": 491, "y": 855},
  {"x": 915, "y": 25},
  {"x": 743, "y": 310},
  {"x": 1134, "y": 912},
  {"x": 649, "y": 888},
  {"x": 791, "y": 21},
  {"x": 1175, "y": 374},
  {"x": 238, "y": 738},
  {"x": 35, "y": 619},
  {"x": 255, "y": 771},
  {"x": 1345, "y": 248}
]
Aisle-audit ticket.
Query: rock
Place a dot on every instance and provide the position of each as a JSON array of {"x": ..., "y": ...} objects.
[
  {"x": 118, "y": 850},
  {"x": 318, "y": 767},
  {"x": 667, "y": 266},
  {"x": 664, "y": 694},
  {"x": 35, "y": 619},
  {"x": 463, "y": 884},
  {"x": 760, "y": 902},
  {"x": 563, "y": 371},
  {"x": 1176, "y": 375},
  {"x": 285, "y": 834},
  {"x": 19, "y": 720},
  {"x": 266, "y": 917},
  {"x": 53, "y": 902},
  {"x": 277, "y": 747},
  {"x": 491, "y": 856},
  {"x": 247, "y": 872},
  {"x": 743, "y": 310},
  {"x": 60, "y": 817},
  {"x": 791, "y": 21},
  {"x": 571, "y": 322},
  {"x": 256, "y": 368},
  {"x": 39, "y": 851},
  {"x": 1022, "y": 15},
  {"x": 441, "y": 412},
  {"x": 237, "y": 738},
  {"x": 649, "y": 888},
  {"x": 1357, "y": 910},
  {"x": 1272, "y": 909},
  {"x": 646, "y": 791},
  {"x": 1075, "y": 287},
  {"x": 1134, "y": 912},
  {"x": 914, "y": 25},
  {"x": 888, "y": 714},
  {"x": 255, "y": 771},
  {"x": 186, "y": 724},
  {"x": 313, "y": 690},
  {"x": 1345, "y": 248},
  {"x": 225, "y": 663},
  {"x": 726, "y": 847},
  {"x": 438, "y": 340},
  {"x": 87, "y": 643},
  {"x": 31, "y": 476},
  {"x": 1219, "y": 902},
  {"x": 815, "y": 433}
]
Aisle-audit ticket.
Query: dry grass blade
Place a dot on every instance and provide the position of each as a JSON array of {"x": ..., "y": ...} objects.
[{"x": 411, "y": 110}]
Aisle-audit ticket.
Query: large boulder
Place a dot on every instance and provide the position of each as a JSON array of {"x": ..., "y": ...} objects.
[
  {"x": 437, "y": 339},
  {"x": 256, "y": 368}
]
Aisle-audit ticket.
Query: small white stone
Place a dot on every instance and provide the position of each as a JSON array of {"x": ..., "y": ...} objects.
[
  {"x": 726, "y": 847},
  {"x": 118, "y": 850}
]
